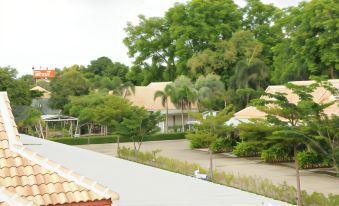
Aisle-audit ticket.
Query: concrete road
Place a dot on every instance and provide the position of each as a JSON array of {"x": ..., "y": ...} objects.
[{"x": 179, "y": 149}]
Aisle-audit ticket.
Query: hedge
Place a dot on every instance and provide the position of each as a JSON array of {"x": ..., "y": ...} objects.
[{"x": 113, "y": 139}]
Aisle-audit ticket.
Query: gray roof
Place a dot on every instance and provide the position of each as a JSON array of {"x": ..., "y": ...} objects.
[{"x": 140, "y": 185}]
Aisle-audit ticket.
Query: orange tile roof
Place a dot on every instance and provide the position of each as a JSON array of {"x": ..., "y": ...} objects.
[
  {"x": 35, "y": 179},
  {"x": 320, "y": 95}
]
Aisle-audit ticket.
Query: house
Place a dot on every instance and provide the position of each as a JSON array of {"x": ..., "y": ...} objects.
[
  {"x": 42, "y": 104},
  {"x": 320, "y": 95},
  {"x": 143, "y": 96},
  {"x": 28, "y": 178}
]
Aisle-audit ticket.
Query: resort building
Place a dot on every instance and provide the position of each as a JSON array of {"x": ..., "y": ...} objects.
[
  {"x": 320, "y": 95},
  {"x": 27, "y": 178},
  {"x": 143, "y": 96}
]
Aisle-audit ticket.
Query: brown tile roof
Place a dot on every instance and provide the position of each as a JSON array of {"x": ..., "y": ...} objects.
[
  {"x": 35, "y": 179},
  {"x": 320, "y": 95},
  {"x": 144, "y": 97}
]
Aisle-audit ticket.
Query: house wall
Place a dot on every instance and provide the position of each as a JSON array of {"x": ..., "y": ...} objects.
[{"x": 174, "y": 122}]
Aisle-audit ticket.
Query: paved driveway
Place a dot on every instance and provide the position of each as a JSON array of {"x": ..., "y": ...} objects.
[{"x": 179, "y": 149}]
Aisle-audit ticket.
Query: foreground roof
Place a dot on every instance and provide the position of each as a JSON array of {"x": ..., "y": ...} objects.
[
  {"x": 27, "y": 178},
  {"x": 143, "y": 96},
  {"x": 320, "y": 95}
]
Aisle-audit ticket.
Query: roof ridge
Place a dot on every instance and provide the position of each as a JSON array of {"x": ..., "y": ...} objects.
[{"x": 15, "y": 145}]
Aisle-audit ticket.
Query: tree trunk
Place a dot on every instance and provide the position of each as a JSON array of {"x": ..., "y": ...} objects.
[
  {"x": 332, "y": 72},
  {"x": 166, "y": 123},
  {"x": 182, "y": 118},
  {"x": 118, "y": 149},
  {"x": 135, "y": 153},
  {"x": 297, "y": 176},
  {"x": 211, "y": 163}
]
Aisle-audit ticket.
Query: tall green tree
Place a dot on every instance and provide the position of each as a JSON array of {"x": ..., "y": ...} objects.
[
  {"x": 18, "y": 89},
  {"x": 199, "y": 24},
  {"x": 150, "y": 41},
  {"x": 183, "y": 95},
  {"x": 260, "y": 19},
  {"x": 312, "y": 36},
  {"x": 69, "y": 82}
]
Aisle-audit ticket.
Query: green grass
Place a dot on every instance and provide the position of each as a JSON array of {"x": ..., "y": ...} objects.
[
  {"x": 113, "y": 139},
  {"x": 251, "y": 184}
]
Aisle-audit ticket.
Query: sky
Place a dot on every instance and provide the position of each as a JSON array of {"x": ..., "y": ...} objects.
[{"x": 59, "y": 33}]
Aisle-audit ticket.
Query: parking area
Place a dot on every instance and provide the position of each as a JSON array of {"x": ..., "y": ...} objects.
[{"x": 179, "y": 149}]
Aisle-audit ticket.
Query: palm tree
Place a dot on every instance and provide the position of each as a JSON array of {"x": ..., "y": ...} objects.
[
  {"x": 164, "y": 95},
  {"x": 183, "y": 95}
]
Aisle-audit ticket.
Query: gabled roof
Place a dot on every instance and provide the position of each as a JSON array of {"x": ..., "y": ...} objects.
[
  {"x": 45, "y": 93},
  {"x": 144, "y": 97},
  {"x": 27, "y": 178},
  {"x": 320, "y": 95}
]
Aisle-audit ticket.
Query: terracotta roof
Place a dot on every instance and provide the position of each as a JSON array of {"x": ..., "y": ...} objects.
[
  {"x": 45, "y": 93},
  {"x": 320, "y": 95},
  {"x": 144, "y": 97},
  {"x": 35, "y": 179}
]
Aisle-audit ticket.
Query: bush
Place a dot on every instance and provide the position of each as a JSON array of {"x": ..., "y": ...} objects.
[
  {"x": 113, "y": 139},
  {"x": 198, "y": 140},
  {"x": 222, "y": 145},
  {"x": 309, "y": 159},
  {"x": 277, "y": 153},
  {"x": 247, "y": 149}
]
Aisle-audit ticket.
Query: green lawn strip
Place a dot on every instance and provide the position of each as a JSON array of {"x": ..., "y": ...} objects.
[
  {"x": 113, "y": 139},
  {"x": 257, "y": 185}
]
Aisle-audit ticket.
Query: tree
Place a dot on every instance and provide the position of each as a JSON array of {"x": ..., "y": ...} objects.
[
  {"x": 310, "y": 30},
  {"x": 165, "y": 97},
  {"x": 69, "y": 82},
  {"x": 199, "y": 24},
  {"x": 183, "y": 95},
  {"x": 210, "y": 128},
  {"x": 137, "y": 125},
  {"x": 150, "y": 41},
  {"x": 210, "y": 91},
  {"x": 260, "y": 19},
  {"x": 18, "y": 89},
  {"x": 280, "y": 110}
]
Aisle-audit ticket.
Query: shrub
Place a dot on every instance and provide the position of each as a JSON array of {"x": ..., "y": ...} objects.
[
  {"x": 277, "y": 153},
  {"x": 198, "y": 140},
  {"x": 309, "y": 159},
  {"x": 247, "y": 149},
  {"x": 222, "y": 145},
  {"x": 113, "y": 139}
]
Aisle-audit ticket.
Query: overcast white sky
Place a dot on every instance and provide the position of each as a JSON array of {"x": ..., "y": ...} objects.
[{"x": 58, "y": 33}]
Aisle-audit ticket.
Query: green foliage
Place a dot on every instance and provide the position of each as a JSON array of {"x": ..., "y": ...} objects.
[
  {"x": 222, "y": 145},
  {"x": 210, "y": 91},
  {"x": 277, "y": 153},
  {"x": 255, "y": 185},
  {"x": 18, "y": 89},
  {"x": 210, "y": 128},
  {"x": 247, "y": 149},
  {"x": 69, "y": 82},
  {"x": 199, "y": 140},
  {"x": 113, "y": 139},
  {"x": 311, "y": 32},
  {"x": 309, "y": 159}
]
